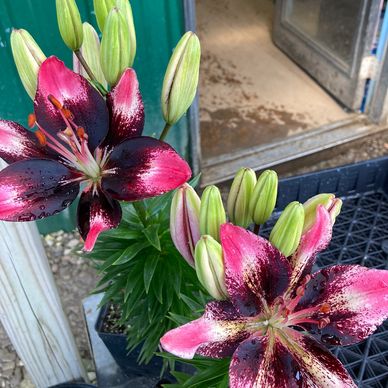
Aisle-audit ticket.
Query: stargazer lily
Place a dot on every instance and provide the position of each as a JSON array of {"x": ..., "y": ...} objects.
[
  {"x": 279, "y": 316},
  {"x": 83, "y": 139}
]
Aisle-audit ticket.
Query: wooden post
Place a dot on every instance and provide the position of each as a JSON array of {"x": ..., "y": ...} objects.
[{"x": 31, "y": 310}]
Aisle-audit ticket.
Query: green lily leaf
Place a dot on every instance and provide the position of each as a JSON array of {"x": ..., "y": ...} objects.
[
  {"x": 131, "y": 252},
  {"x": 152, "y": 234}
]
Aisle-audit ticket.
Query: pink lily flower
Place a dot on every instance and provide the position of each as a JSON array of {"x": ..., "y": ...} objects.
[
  {"x": 279, "y": 316},
  {"x": 83, "y": 139}
]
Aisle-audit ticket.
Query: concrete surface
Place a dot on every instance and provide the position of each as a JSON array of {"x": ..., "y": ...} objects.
[{"x": 250, "y": 92}]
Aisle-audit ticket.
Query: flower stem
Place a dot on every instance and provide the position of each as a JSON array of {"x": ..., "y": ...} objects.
[
  {"x": 256, "y": 229},
  {"x": 165, "y": 131},
  {"x": 89, "y": 71}
]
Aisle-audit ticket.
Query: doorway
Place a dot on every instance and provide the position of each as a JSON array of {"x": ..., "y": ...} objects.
[
  {"x": 256, "y": 102},
  {"x": 251, "y": 93}
]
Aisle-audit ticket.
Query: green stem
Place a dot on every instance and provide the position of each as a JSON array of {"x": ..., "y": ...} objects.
[
  {"x": 89, "y": 71},
  {"x": 165, "y": 131},
  {"x": 256, "y": 229},
  {"x": 141, "y": 212}
]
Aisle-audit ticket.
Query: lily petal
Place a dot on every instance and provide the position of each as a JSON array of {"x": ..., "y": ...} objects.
[
  {"x": 254, "y": 269},
  {"x": 76, "y": 94},
  {"x": 126, "y": 109},
  {"x": 96, "y": 213},
  {"x": 357, "y": 299},
  {"x": 36, "y": 188},
  {"x": 263, "y": 362},
  {"x": 144, "y": 167},
  {"x": 216, "y": 334},
  {"x": 18, "y": 143},
  {"x": 319, "y": 368},
  {"x": 316, "y": 239}
]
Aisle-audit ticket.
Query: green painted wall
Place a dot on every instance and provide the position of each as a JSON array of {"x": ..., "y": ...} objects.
[{"x": 159, "y": 25}]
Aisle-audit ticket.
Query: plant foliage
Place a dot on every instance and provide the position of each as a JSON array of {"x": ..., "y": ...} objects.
[
  {"x": 209, "y": 373},
  {"x": 145, "y": 276}
]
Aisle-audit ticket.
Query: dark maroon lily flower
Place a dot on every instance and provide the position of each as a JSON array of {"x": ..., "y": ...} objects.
[
  {"x": 279, "y": 315},
  {"x": 83, "y": 139}
]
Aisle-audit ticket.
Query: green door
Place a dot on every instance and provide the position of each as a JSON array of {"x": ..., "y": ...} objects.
[{"x": 159, "y": 25}]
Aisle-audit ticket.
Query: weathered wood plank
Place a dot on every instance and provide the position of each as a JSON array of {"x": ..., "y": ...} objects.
[{"x": 30, "y": 308}]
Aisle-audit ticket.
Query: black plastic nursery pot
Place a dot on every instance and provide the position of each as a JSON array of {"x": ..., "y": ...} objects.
[
  {"x": 360, "y": 236},
  {"x": 117, "y": 346}
]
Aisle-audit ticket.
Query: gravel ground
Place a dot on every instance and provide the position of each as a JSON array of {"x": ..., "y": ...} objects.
[{"x": 75, "y": 277}]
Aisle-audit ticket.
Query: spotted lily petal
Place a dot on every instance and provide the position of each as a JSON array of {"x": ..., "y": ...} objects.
[
  {"x": 316, "y": 239},
  {"x": 126, "y": 109},
  {"x": 75, "y": 94},
  {"x": 263, "y": 362},
  {"x": 32, "y": 189},
  {"x": 319, "y": 368},
  {"x": 254, "y": 270},
  {"x": 356, "y": 298},
  {"x": 216, "y": 334},
  {"x": 96, "y": 213},
  {"x": 17, "y": 143},
  {"x": 144, "y": 167}
]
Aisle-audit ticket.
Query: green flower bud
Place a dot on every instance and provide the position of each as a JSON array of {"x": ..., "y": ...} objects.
[
  {"x": 125, "y": 7},
  {"x": 70, "y": 24},
  {"x": 329, "y": 201},
  {"x": 209, "y": 265},
  {"x": 181, "y": 78},
  {"x": 310, "y": 208},
  {"x": 212, "y": 213},
  {"x": 102, "y": 9},
  {"x": 287, "y": 231},
  {"x": 90, "y": 50},
  {"x": 239, "y": 197},
  {"x": 28, "y": 58},
  {"x": 115, "y": 55},
  {"x": 263, "y": 199}
]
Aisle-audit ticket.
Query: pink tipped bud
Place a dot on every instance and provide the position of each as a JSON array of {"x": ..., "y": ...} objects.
[
  {"x": 328, "y": 201},
  {"x": 184, "y": 221}
]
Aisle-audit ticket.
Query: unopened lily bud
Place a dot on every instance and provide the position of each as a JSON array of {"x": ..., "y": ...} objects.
[
  {"x": 209, "y": 265},
  {"x": 328, "y": 201},
  {"x": 28, "y": 58},
  {"x": 239, "y": 197},
  {"x": 287, "y": 231},
  {"x": 184, "y": 221},
  {"x": 90, "y": 50},
  {"x": 69, "y": 23},
  {"x": 263, "y": 199},
  {"x": 101, "y": 10},
  {"x": 125, "y": 7},
  {"x": 181, "y": 78},
  {"x": 115, "y": 55},
  {"x": 212, "y": 213}
]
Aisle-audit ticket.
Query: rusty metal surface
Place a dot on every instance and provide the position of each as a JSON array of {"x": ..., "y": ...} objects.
[{"x": 221, "y": 168}]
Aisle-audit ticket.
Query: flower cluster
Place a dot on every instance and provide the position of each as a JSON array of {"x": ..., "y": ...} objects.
[
  {"x": 274, "y": 317},
  {"x": 87, "y": 138}
]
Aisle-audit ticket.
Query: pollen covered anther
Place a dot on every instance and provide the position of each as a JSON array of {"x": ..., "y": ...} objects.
[
  {"x": 325, "y": 308},
  {"x": 67, "y": 113},
  {"x": 81, "y": 133},
  {"x": 31, "y": 120},
  {"x": 41, "y": 137},
  {"x": 55, "y": 102}
]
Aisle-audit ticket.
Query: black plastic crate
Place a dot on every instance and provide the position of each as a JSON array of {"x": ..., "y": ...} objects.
[{"x": 360, "y": 236}]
